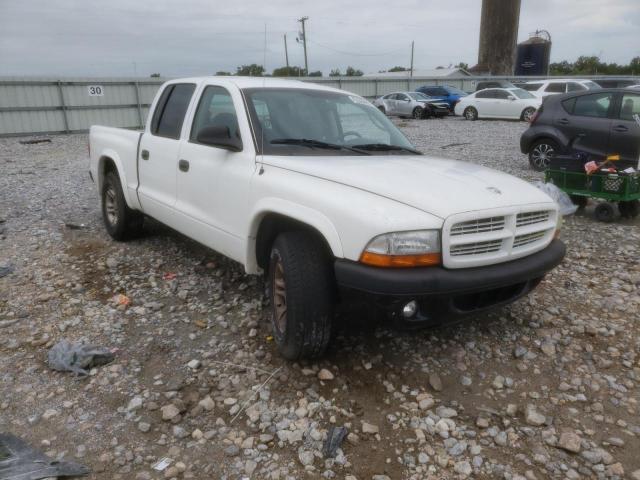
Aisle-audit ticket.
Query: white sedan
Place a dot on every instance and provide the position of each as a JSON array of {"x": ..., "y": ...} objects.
[{"x": 509, "y": 103}]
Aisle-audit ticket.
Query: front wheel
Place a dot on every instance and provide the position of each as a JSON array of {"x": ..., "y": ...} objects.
[
  {"x": 301, "y": 289},
  {"x": 470, "y": 113},
  {"x": 527, "y": 114},
  {"x": 120, "y": 221},
  {"x": 418, "y": 112}
]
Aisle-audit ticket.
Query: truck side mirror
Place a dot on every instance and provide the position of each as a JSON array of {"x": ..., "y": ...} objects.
[{"x": 219, "y": 136}]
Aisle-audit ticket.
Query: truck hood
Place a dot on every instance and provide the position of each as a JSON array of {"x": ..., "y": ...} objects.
[{"x": 437, "y": 186}]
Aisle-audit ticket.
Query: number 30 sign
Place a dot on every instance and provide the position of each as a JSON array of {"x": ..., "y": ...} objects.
[{"x": 95, "y": 90}]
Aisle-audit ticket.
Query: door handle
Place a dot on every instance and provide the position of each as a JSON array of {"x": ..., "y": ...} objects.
[
  {"x": 620, "y": 128},
  {"x": 144, "y": 154},
  {"x": 183, "y": 165},
  {"x": 563, "y": 121}
]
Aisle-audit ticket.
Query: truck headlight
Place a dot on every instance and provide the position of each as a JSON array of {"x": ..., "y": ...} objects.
[
  {"x": 418, "y": 248},
  {"x": 559, "y": 226}
]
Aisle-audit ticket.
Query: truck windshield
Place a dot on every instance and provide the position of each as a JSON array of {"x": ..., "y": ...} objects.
[{"x": 301, "y": 121}]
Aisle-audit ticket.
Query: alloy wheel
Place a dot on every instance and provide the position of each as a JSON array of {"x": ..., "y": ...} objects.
[{"x": 541, "y": 155}]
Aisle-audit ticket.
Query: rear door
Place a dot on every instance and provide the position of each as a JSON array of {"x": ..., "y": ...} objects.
[
  {"x": 483, "y": 102},
  {"x": 159, "y": 150},
  {"x": 502, "y": 105},
  {"x": 586, "y": 121},
  {"x": 625, "y": 132}
]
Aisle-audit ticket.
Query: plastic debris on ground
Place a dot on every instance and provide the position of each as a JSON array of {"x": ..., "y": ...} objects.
[
  {"x": 561, "y": 198},
  {"x": 20, "y": 461},
  {"x": 77, "y": 357},
  {"x": 335, "y": 436},
  {"x": 162, "y": 464}
]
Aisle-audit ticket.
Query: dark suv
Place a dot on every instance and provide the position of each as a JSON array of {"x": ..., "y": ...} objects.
[{"x": 595, "y": 122}]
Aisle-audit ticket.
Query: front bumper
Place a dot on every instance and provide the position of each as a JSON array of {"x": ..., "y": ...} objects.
[{"x": 451, "y": 292}]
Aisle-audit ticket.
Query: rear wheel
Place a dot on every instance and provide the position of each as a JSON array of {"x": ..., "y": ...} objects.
[
  {"x": 418, "y": 112},
  {"x": 120, "y": 221},
  {"x": 470, "y": 113},
  {"x": 605, "y": 212},
  {"x": 541, "y": 152},
  {"x": 527, "y": 114},
  {"x": 301, "y": 289}
]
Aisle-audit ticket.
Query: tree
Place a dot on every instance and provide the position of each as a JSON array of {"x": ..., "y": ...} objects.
[
  {"x": 335, "y": 73},
  {"x": 317, "y": 73},
  {"x": 155, "y": 75},
  {"x": 253, "y": 70},
  {"x": 222, "y": 73},
  {"x": 352, "y": 72},
  {"x": 398, "y": 69},
  {"x": 463, "y": 66},
  {"x": 288, "y": 72}
]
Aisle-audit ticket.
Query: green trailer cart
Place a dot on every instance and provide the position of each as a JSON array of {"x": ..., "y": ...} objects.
[{"x": 620, "y": 188}]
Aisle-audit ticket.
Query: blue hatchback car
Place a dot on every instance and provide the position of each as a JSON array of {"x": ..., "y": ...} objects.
[{"x": 451, "y": 95}]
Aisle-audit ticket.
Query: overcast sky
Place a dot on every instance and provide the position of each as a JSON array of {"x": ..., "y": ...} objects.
[{"x": 189, "y": 37}]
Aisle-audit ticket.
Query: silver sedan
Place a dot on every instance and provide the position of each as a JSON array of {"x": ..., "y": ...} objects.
[{"x": 411, "y": 104}]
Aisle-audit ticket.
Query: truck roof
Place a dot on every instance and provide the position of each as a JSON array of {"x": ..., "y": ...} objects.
[{"x": 255, "y": 82}]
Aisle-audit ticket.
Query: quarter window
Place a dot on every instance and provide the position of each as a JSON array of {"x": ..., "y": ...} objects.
[
  {"x": 501, "y": 94},
  {"x": 216, "y": 109},
  {"x": 595, "y": 105},
  {"x": 630, "y": 106},
  {"x": 171, "y": 109}
]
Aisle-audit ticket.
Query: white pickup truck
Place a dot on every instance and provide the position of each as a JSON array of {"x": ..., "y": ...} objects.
[{"x": 320, "y": 191}]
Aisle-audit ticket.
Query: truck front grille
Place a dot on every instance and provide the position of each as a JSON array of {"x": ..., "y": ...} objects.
[
  {"x": 490, "y": 224},
  {"x": 500, "y": 236}
]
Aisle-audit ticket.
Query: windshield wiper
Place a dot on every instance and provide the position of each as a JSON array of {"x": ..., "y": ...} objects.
[
  {"x": 383, "y": 147},
  {"x": 306, "y": 142}
]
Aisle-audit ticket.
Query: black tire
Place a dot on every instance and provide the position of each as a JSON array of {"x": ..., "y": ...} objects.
[
  {"x": 629, "y": 209},
  {"x": 579, "y": 200},
  {"x": 605, "y": 212},
  {"x": 382, "y": 109},
  {"x": 470, "y": 113},
  {"x": 418, "y": 113},
  {"x": 540, "y": 153},
  {"x": 527, "y": 114},
  {"x": 301, "y": 279},
  {"x": 120, "y": 221}
]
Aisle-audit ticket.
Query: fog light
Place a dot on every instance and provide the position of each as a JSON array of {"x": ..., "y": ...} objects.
[{"x": 410, "y": 309}]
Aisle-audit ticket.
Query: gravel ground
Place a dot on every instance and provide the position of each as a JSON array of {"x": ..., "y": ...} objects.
[{"x": 545, "y": 388}]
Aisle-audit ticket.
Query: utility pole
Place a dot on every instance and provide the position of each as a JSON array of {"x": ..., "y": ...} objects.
[
  {"x": 411, "y": 73},
  {"x": 304, "y": 43},
  {"x": 286, "y": 53}
]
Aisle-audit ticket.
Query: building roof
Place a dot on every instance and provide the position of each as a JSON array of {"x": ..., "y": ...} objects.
[{"x": 422, "y": 72}]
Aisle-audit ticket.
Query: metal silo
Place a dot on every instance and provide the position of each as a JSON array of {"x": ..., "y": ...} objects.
[{"x": 533, "y": 55}]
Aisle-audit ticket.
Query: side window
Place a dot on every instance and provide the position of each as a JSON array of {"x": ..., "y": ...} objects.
[
  {"x": 403, "y": 97},
  {"x": 441, "y": 92},
  {"x": 574, "y": 87},
  {"x": 594, "y": 105},
  {"x": 531, "y": 87},
  {"x": 630, "y": 106},
  {"x": 171, "y": 113},
  {"x": 432, "y": 92},
  {"x": 387, "y": 97},
  {"x": 501, "y": 94},
  {"x": 556, "y": 87},
  {"x": 216, "y": 109},
  {"x": 484, "y": 94},
  {"x": 162, "y": 102}
]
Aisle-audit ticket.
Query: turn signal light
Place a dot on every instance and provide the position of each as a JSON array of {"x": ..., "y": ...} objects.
[{"x": 400, "y": 261}]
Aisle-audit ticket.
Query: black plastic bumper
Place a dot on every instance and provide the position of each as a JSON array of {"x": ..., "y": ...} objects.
[
  {"x": 441, "y": 281},
  {"x": 443, "y": 294}
]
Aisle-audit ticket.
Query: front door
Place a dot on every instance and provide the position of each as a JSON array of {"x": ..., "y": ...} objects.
[
  {"x": 213, "y": 182},
  {"x": 159, "y": 150},
  {"x": 625, "y": 132},
  {"x": 586, "y": 122}
]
